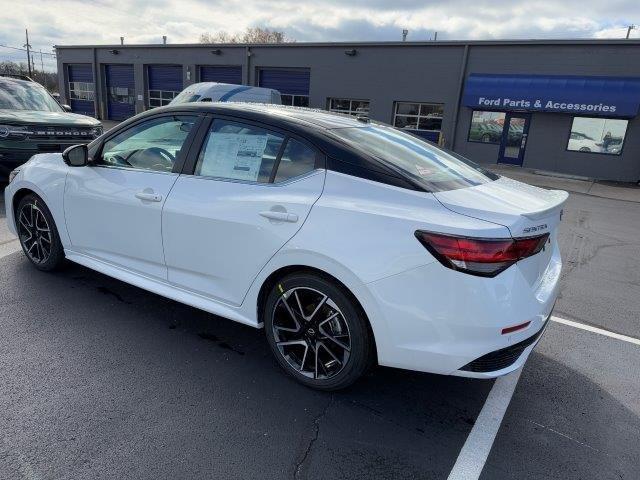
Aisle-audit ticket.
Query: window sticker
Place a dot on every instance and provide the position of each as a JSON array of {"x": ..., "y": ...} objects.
[{"x": 232, "y": 155}]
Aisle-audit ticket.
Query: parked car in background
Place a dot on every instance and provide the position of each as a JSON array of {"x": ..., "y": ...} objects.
[
  {"x": 580, "y": 142},
  {"x": 32, "y": 121},
  {"x": 226, "y": 92},
  {"x": 486, "y": 132},
  {"x": 351, "y": 242}
]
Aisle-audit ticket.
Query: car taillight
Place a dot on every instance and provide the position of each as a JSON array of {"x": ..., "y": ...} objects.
[{"x": 486, "y": 257}]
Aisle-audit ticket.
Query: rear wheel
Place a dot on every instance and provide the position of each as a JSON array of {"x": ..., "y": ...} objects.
[
  {"x": 38, "y": 234},
  {"x": 317, "y": 332}
]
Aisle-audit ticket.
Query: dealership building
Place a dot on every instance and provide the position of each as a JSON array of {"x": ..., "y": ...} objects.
[{"x": 568, "y": 106}]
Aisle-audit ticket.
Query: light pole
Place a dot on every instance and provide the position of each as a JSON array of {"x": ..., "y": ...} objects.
[{"x": 629, "y": 28}]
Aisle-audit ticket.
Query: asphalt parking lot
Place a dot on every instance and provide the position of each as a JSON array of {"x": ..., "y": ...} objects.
[{"x": 99, "y": 379}]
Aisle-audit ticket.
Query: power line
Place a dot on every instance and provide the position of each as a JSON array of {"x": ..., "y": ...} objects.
[{"x": 24, "y": 50}]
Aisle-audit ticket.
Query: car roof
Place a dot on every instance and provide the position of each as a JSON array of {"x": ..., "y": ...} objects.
[{"x": 264, "y": 112}]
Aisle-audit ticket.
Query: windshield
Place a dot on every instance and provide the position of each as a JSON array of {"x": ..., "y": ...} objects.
[
  {"x": 185, "y": 96},
  {"x": 433, "y": 168},
  {"x": 26, "y": 96}
]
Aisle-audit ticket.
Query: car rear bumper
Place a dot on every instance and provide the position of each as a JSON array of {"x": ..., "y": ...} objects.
[{"x": 441, "y": 321}]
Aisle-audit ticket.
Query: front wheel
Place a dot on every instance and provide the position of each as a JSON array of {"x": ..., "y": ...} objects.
[
  {"x": 38, "y": 234},
  {"x": 317, "y": 332}
]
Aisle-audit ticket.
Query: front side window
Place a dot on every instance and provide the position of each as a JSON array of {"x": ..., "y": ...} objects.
[
  {"x": 152, "y": 145},
  {"x": 347, "y": 105},
  {"x": 418, "y": 116},
  {"x": 597, "y": 135},
  {"x": 433, "y": 168},
  {"x": 238, "y": 151},
  {"x": 486, "y": 127},
  {"x": 159, "y": 98},
  {"x": 81, "y": 91},
  {"x": 295, "y": 100},
  {"x": 23, "y": 95}
]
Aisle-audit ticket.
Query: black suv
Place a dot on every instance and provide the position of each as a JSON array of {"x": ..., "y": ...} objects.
[{"x": 32, "y": 121}]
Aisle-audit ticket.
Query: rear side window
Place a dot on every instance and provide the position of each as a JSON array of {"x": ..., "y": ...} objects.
[
  {"x": 426, "y": 164},
  {"x": 296, "y": 160},
  {"x": 239, "y": 151}
]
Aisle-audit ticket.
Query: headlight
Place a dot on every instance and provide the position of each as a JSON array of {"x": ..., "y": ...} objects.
[
  {"x": 13, "y": 131},
  {"x": 96, "y": 131},
  {"x": 14, "y": 173}
]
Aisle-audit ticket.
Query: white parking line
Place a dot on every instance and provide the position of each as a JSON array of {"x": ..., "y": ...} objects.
[
  {"x": 476, "y": 449},
  {"x": 597, "y": 330},
  {"x": 9, "y": 247}
]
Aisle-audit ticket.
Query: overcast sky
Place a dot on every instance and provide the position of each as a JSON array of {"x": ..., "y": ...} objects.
[{"x": 68, "y": 22}]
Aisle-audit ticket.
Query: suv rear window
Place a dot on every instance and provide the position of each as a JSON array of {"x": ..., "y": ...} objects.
[
  {"x": 426, "y": 164},
  {"x": 26, "y": 96}
]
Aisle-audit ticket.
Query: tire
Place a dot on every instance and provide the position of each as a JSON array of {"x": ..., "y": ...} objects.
[
  {"x": 325, "y": 320},
  {"x": 486, "y": 138},
  {"x": 585, "y": 149},
  {"x": 37, "y": 230}
]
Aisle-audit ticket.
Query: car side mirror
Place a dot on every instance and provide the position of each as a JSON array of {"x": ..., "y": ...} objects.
[
  {"x": 66, "y": 108},
  {"x": 76, "y": 156}
]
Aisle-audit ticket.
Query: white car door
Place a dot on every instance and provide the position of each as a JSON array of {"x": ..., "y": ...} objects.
[
  {"x": 113, "y": 206},
  {"x": 250, "y": 192}
]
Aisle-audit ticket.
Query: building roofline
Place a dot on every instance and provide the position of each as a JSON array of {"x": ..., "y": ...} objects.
[{"x": 431, "y": 43}]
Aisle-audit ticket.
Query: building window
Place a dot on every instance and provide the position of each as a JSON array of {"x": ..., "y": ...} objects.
[
  {"x": 349, "y": 106},
  {"x": 159, "y": 98},
  {"x": 486, "y": 127},
  {"x": 295, "y": 100},
  {"x": 425, "y": 117},
  {"x": 597, "y": 135},
  {"x": 81, "y": 90}
]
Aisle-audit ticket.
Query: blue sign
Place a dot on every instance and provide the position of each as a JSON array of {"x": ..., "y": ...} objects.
[{"x": 590, "y": 96}]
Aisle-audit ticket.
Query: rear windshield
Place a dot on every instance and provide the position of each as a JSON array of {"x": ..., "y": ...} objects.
[
  {"x": 26, "y": 96},
  {"x": 429, "y": 166}
]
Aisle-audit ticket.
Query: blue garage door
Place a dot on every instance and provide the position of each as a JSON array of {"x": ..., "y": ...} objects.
[
  {"x": 81, "y": 88},
  {"x": 221, "y": 74},
  {"x": 165, "y": 82},
  {"x": 293, "y": 85},
  {"x": 120, "y": 92}
]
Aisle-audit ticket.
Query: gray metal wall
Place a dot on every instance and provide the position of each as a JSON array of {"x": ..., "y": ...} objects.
[{"x": 421, "y": 72}]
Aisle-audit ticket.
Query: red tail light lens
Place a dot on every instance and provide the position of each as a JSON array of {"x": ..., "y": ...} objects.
[{"x": 485, "y": 257}]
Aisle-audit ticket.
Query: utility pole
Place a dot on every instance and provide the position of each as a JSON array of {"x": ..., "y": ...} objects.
[
  {"x": 27, "y": 46},
  {"x": 629, "y": 28},
  {"x": 435, "y": 37},
  {"x": 41, "y": 61}
]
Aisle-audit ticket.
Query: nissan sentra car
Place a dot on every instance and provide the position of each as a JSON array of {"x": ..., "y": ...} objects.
[{"x": 350, "y": 242}]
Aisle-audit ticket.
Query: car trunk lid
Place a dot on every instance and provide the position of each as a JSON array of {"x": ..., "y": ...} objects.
[{"x": 525, "y": 210}]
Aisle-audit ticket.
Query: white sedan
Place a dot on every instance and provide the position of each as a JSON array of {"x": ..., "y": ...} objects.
[{"x": 352, "y": 243}]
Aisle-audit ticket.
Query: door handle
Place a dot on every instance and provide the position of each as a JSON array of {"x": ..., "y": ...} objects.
[
  {"x": 280, "y": 216},
  {"x": 149, "y": 196}
]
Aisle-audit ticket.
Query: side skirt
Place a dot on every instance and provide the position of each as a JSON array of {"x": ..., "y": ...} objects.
[{"x": 163, "y": 289}]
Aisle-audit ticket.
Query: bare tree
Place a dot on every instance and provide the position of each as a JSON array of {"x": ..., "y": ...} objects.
[
  {"x": 48, "y": 79},
  {"x": 250, "y": 35}
]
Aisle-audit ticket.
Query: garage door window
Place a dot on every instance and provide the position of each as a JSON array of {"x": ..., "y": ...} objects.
[
  {"x": 418, "y": 116},
  {"x": 486, "y": 127},
  {"x": 81, "y": 90},
  {"x": 597, "y": 135},
  {"x": 159, "y": 98},
  {"x": 350, "y": 106},
  {"x": 237, "y": 151}
]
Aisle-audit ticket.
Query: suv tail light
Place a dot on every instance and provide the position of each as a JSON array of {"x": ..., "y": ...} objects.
[{"x": 485, "y": 257}]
